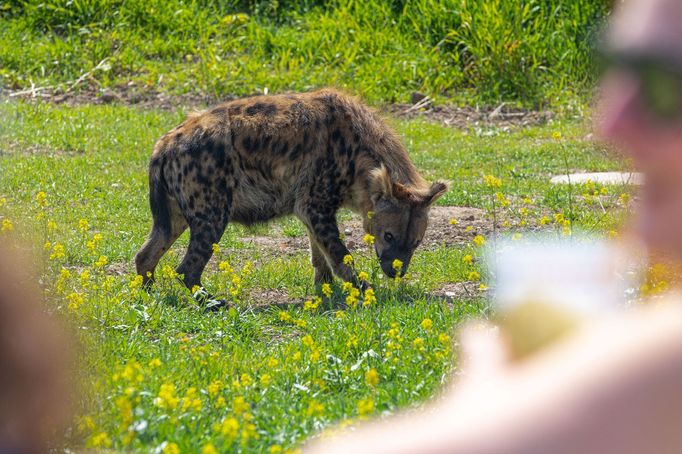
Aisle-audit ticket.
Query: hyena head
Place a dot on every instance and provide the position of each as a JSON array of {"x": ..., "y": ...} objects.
[{"x": 399, "y": 219}]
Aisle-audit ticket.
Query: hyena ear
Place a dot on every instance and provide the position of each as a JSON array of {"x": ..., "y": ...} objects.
[
  {"x": 381, "y": 184},
  {"x": 437, "y": 189}
]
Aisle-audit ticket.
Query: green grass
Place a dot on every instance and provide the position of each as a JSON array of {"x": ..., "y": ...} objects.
[
  {"x": 91, "y": 163},
  {"x": 529, "y": 52}
]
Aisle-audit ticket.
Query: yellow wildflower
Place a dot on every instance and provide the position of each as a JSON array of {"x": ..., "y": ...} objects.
[
  {"x": 491, "y": 181},
  {"x": 372, "y": 377},
  {"x": 468, "y": 259},
  {"x": 427, "y": 323},
  {"x": 479, "y": 240},
  {"x": 418, "y": 343},
  {"x": 7, "y": 226},
  {"x": 370, "y": 214},
  {"x": 327, "y": 290},
  {"x": 41, "y": 198},
  {"x": 272, "y": 363},
  {"x": 501, "y": 199},
  {"x": 215, "y": 387},
  {"x": 166, "y": 398},
  {"x": 365, "y": 406},
  {"x": 229, "y": 428},
  {"x": 225, "y": 267},
  {"x": 216, "y": 248},
  {"x": 83, "y": 225},
  {"x": 191, "y": 401},
  {"x": 368, "y": 239},
  {"x": 171, "y": 448},
  {"x": 339, "y": 314},
  {"x": 75, "y": 300},
  {"x": 348, "y": 259},
  {"x": 397, "y": 265},
  {"x": 246, "y": 380},
  {"x": 308, "y": 340},
  {"x": 275, "y": 449},
  {"x": 100, "y": 440},
  {"x": 370, "y": 298},
  {"x": 265, "y": 380},
  {"x": 125, "y": 409},
  {"x": 209, "y": 449},
  {"x": 284, "y": 316},
  {"x": 363, "y": 276},
  {"x": 136, "y": 282},
  {"x": 239, "y": 405},
  {"x": 556, "y": 135},
  {"x": 453, "y": 221},
  {"x": 101, "y": 262},
  {"x": 314, "y": 408}
]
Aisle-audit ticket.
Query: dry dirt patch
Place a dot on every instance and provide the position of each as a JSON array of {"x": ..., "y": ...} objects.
[{"x": 440, "y": 231}]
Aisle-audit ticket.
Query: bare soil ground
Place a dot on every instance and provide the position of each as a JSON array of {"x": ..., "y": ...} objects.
[
  {"x": 440, "y": 232},
  {"x": 502, "y": 116}
]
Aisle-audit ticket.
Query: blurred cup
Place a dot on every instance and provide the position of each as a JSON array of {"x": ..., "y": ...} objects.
[{"x": 544, "y": 288}]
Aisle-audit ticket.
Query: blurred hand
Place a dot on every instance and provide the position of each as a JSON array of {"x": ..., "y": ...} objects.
[{"x": 613, "y": 386}]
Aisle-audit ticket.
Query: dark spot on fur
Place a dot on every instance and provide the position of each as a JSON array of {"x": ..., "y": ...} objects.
[
  {"x": 259, "y": 107},
  {"x": 247, "y": 144},
  {"x": 219, "y": 111},
  {"x": 296, "y": 152}
]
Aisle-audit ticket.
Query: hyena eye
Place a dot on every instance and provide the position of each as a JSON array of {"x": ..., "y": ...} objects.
[{"x": 388, "y": 237}]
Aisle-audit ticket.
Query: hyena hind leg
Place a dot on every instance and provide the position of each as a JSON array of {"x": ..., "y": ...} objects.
[
  {"x": 203, "y": 234},
  {"x": 160, "y": 240}
]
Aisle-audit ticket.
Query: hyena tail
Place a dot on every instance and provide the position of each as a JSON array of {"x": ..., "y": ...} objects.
[
  {"x": 158, "y": 198},
  {"x": 160, "y": 237}
]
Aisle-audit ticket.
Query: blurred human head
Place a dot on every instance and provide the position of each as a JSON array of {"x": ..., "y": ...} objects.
[
  {"x": 641, "y": 110},
  {"x": 34, "y": 391}
]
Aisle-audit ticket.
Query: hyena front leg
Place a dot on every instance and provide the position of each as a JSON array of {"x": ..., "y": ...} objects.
[
  {"x": 323, "y": 274},
  {"x": 325, "y": 233}
]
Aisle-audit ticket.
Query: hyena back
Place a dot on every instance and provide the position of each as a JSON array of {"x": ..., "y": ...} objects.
[{"x": 259, "y": 158}]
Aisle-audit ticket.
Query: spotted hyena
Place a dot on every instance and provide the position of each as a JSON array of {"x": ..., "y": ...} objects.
[{"x": 259, "y": 158}]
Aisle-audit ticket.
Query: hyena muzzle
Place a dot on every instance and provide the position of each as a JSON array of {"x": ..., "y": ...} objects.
[{"x": 259, "y": 158}]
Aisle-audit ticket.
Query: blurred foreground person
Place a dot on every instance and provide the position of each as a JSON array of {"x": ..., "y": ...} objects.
[
  {"x": 613, "y": 386},
  {"x": 34, "y": 391}
]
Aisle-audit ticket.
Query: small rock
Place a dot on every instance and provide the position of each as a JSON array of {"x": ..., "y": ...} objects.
[
  {"x": 107, "y": 96},
  {"x": 617, "y": 178},
  {"x": 347, "y": 232},
  {"x": 470, "y": 218}
]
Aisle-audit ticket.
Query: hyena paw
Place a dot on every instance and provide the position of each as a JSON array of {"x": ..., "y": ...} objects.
[{"x": 209, "y": 302}]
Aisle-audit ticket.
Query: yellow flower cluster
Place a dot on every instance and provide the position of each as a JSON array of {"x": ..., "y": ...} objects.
[{"x": 491, "y": 181}]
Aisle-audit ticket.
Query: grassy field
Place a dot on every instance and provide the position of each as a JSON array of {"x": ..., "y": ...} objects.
[
  {"x": 532, "y": 53},
  {"x": 161, "y": 375}
]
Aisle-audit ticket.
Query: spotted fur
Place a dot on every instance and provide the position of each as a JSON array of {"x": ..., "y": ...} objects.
[{"x": 259, "y": 158}]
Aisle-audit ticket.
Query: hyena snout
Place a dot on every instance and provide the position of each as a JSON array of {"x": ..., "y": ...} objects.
[{"x": 390, "y": 267}]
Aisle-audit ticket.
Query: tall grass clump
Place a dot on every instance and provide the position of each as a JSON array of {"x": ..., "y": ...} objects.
[{"x": 529, "y": 52}]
